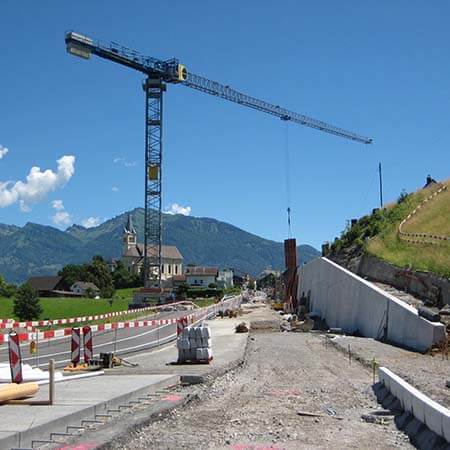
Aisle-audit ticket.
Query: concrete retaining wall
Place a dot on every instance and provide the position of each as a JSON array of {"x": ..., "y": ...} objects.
[
  {"x": 347, "y": 301},
  {"x": 424, "y": 285},
  {"x": 427, "y": 411}
]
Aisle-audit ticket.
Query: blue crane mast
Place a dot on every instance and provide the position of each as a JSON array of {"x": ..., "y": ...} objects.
[{"x": 158, "y": 73}]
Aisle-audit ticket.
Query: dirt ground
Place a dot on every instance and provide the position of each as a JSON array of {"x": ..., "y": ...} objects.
[{"x": 256, "y": 406}]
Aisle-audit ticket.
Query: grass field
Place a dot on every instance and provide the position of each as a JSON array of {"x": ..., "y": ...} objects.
[
  {"x": 60, "y": 308},
  {"x": 432, "y": 218},
  {"x": 63, "y": 308}
]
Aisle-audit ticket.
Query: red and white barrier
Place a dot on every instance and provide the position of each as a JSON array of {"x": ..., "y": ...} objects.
[
  {"x": 11, "y": 323},
  {"x": 182, "y": 323},
  {"x": 15, "y": 360},
  {"x": 52, "y": 334},
  {"x": 87, "y": 340},
  {"x": 75, "y": 346}
]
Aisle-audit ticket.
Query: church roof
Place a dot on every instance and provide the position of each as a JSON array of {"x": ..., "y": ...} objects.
[{"x": 167, "y": 251}]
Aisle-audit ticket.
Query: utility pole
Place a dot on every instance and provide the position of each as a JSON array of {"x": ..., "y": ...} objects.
[{"x": 381, "y": 185}]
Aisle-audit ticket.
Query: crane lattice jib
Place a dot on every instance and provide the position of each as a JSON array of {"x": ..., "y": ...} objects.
[
  {"x": 214, "y": 88},
  {"x": 153, "y": 66}
]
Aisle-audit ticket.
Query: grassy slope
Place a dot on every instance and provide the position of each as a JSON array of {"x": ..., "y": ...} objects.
[
  {"x": 59, "y": 308},
  {"x": 433, "y": 218}
]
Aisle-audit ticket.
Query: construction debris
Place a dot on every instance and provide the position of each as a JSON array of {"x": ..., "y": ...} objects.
[{"x": 242, "y": 328}]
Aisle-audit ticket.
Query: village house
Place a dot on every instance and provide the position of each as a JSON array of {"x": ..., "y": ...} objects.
[
  {"x": 199, "y": 276},
  {"x": 84, "y": 287}
]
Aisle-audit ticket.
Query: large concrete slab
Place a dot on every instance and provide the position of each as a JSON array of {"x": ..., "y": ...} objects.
[
  {"x": 76, "y": 400},
  {"x": 349, "y": 302}
]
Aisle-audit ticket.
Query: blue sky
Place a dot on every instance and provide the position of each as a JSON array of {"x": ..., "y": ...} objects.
[{"x": 377, "y": 68}]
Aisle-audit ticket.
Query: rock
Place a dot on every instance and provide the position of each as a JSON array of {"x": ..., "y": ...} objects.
[
  {"x": 445, "y": 311},
  {"x": 429, "y": 314}
]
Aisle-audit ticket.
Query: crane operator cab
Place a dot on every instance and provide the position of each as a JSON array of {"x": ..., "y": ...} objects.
[{"x": 178, "y": 73}]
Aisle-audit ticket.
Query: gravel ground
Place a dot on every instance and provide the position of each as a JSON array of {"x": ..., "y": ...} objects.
[
  {"x": 256, "y": 406},
  {"x": 425, "y": 372}
]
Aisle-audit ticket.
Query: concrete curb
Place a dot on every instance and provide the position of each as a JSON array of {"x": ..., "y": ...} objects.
[
  {"x": 432, "y": 414},
  {"x": 116, "y": 431},
  {"x": 42, "y": 432}
]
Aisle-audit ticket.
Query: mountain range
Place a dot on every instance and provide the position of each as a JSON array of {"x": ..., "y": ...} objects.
[{"x": 43, "y": 250}]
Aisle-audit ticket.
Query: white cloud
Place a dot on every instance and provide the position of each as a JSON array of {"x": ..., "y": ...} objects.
[
  {"x": 62, "y": 218},
  {"x": 115, "y": 189},
  {"x": 3, "y": 151},
  {"x": 58, "y": 205},
  {"x": 175, "y": 208},
  {"x": 124, "y": 162},
  {"x": 91, "y": 222},
  {"x": 37, "y": 185}
]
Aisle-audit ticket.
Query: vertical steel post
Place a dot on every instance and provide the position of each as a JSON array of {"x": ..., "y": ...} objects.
[
  {"x": 154, "y": 88},
  {"x": 381, "y": 185}
]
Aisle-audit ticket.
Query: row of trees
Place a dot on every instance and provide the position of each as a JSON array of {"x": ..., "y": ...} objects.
[{"x": 98, "y": 272}]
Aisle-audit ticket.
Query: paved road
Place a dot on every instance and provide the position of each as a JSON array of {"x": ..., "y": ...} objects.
[{"x": 123, "y": 341}]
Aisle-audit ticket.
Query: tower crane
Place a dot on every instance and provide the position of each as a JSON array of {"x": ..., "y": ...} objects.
[{"x": 158, "y": 74}]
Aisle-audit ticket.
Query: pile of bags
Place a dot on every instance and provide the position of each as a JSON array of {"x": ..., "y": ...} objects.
[{"x": 194, "y": 344}]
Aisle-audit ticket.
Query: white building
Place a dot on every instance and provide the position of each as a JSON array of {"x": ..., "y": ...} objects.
[
  {"x": 80, "y": 287},
  {"x": 225, "y": 278},
  {"x": 133, "y": 254},
  {"x": 201, "y": 276}
]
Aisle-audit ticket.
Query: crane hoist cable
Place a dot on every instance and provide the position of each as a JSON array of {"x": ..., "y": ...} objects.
[{"x": 287, "y": 177}]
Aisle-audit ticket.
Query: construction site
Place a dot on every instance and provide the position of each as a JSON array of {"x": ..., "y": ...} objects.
[{"x": 349, "y": 350}]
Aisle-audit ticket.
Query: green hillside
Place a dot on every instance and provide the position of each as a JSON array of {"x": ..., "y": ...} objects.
[
  {"x": 41, "y": 250},
  {"x": 378, "y": 234}
]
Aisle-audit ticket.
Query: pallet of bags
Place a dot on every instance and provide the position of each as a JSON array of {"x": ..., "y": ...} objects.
[{"x": 194, "y": 345}]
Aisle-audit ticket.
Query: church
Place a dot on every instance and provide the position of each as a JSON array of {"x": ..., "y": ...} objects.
[{"x": 133, "y": 254}]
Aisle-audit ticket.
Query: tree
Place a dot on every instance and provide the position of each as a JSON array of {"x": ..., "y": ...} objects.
[
  {"x": 182, "y": 290},
  {"x": 96, "y": 272},
  {"x": 7, "y": 290},
  {"x": 26, "y": 303},
  {"x": 72, "y": 273},
  {"x": 124, "y": 279}
]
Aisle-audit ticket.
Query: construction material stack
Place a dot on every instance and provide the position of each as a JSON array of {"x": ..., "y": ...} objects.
[{"x": 194, "y": 345}]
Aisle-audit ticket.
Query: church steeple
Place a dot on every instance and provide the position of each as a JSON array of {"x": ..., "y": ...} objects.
[
  {"x": 129, "y": 235},
  {"x": 129, "y": 228}
]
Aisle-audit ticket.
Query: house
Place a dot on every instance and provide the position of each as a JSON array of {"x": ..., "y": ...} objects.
[
  {"x": 199, "y": 276},
  {"x": 48, "y": 286},
  {"x": 81, "y": 287},
  {"x": 225, "y": 279},
  {"x": 133, "y": 254},
  {"x": 178, "y": 280}
]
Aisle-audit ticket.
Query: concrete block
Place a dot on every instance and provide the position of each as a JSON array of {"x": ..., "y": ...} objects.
[
  {"x": 446, "y": 425},
  {"x": 418, "y": 407},
  {"x": 403, "y": 420},
  {"x": 426, "y": 439},
  {"x": 414, "y": 428},
  {"x": 389, "y": 400},
  {"x": 434, "y": 416}
]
